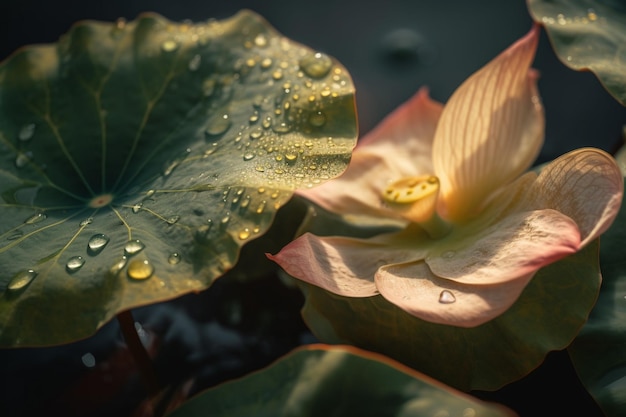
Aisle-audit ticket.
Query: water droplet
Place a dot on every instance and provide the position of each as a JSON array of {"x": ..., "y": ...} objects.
[
  {"x": 133, "y": 247},
  {"x": 169, "y": 46},
  {"x": 21, "y": 279},
  {"x": 137, "y": 207},
  {"x": 591, "y": 15},
  {"x": 248, "y": 156},
  {"x": 74, "y": 263},
  {"x": 446, "y": 297},
  {"x": 22, "y": 159},
  {"x": 140, "y": 269},
  {"x": 244, "y": 234},
  {"x": 85, "y": 222},
  {"x": 218, "y": 126},
  {"x": 173, "y": 219},
  {"x": 260, "y": 40},
  {"x": 261, "y": 207},
  {"x": 26, "y": 132},
  {"x": 88, "y": 360},
  {"x": 35, "y": 218},
  {"x": 97, "y": 243},
  {"x": 119, "y": 265},
  {"x": 316, "y": 65},
  {"x": 448, "y": 254},
  {"x": 174, "y": 258},
  {"x": 317, "y": 119},
  {"x": 281, "y": 127},
  {"x": 194, "y": 63}
]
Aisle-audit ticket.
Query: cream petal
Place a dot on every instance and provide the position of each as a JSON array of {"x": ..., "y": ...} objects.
[
  {"x": 490, "y": 131},
  {"x": 586, "y": 185},
  {"x": 400, "y": 146},
  {"x": 512, "y": 248},
  {"x": 345, "y": 266},
  {"x": 415, "y": 289}
]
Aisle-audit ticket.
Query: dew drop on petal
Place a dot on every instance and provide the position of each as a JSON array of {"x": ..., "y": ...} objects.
[
  {"x": 35, "y": 218},
  {"x": 74, "y": 263},
  {"x": 446, "y": 297},
  {"x": 26, "y": 132},
  {"x": 140, "y": 269},
  {"x": 218, "y": 126},
  {"x": 97, "y": 243},
  {"x": 248, "y": 156},
  {"x": 316, "y": 65},
  {"x": 133, "y": 247},
  {"x": 174, "y": 258},
  {"x": 21, "y": 279}
]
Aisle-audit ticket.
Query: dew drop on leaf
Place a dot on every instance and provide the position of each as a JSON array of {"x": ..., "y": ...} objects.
[
  {"x": 21, "y": 279},
  {"x": 119, "y": 265},
  {"x": 316, "y": 65},
  {"x": 261, "y": 207},
  {"x": 97, "y": 243},
  {"x": 35, "y": 218},
  {"x": 133, "y": 247},
  {"x": 140, "y": 269},
  {"x": 26, "y": 132},
  {"x": 446, "y": 297},
  {"x": 74, "y": 263},
  {"x": 169, "y": 46},
  {"x": 137, "y": 207},
  {"x": 174, "y": 258},
  {"x": 317, "y": 119},
  {"x": 244, "y": 234},
  {"x": 218, "y": 126},
  {"x": 173, "y": 219},
  {"x": 87, "y": 221},
  {"x": 22, "y": 159}
]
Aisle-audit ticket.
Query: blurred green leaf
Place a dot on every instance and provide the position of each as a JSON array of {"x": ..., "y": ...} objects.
[
  {"x": 547, "y": 316},
  {"x": 588, "y": 35},
  {"x": 599, "y": 351},
  {"x": 323, "y": 380},
  {"x": 136, "y": 158}
]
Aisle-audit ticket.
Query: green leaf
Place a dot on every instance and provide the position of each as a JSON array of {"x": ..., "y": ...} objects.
[
  {"x": 588, "y": 35},
  {"x": 323, "y": 380},
  {"x": 136, "y": 158},
  {"x": 547, "y": 316},
  {"x": 599, "y": 351}
]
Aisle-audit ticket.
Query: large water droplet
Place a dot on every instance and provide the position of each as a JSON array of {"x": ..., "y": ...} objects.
[
  {"x": 133, "y": 247},
  {"x": 317, "y": 119},
  {"x": 218, "y": 126},
  {"x": 21, "y": 279},
  {"x": 15, "y": 235},
  {"x": 446, "y": 297},
  {"x": 248, "y": 156},
  {"x": 36, "y": 218},
  {"x": 97, "y": 243},
  {"x": 88, "y": 360},
  {"x": 74, "y": 263},
  {"x": 119, "y": 265},
  {"x": 26, "y": 132},
  {"x": 174, "y": 258},
  {"x": 316, "y": 65},
  {"x": 140, "y": 269}
]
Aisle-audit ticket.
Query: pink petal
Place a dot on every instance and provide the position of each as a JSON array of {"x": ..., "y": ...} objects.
[
  {"x": 513, "y": 248},
  {"x": 490, "y": 131},
  {"x": 586, "y": 185},
  {"x": 415, "y": 289},
  {"x": 345, "y": 266},
  {"x": 399, "y": 146}
]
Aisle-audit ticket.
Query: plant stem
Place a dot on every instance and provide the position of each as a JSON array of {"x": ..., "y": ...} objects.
[{"x": 139, "y": 353}]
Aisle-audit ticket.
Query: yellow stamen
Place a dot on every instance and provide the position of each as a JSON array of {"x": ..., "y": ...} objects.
[{"x": 415, "y": 198}]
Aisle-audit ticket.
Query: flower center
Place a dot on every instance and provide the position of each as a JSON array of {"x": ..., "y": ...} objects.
[{"x": 415, "y": 199}]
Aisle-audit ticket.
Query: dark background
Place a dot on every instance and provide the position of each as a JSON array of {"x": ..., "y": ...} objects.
[{"x": 391, "y": 48}]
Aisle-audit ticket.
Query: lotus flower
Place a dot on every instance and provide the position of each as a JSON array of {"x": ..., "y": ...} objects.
[{"x": 476, "y": 226}]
